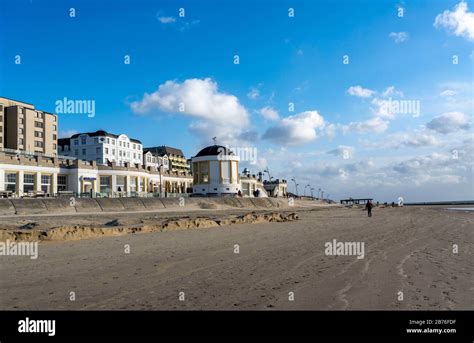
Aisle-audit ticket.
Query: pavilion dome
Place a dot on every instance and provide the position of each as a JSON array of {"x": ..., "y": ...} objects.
[{"x": 214, "y": 150}]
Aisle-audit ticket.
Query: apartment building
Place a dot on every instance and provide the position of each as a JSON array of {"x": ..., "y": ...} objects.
[
  {"x": 103, "y": 148},
  {"x": 153, "y": 160},
  {"x": 175, "y": 156},
  {"x": 27, "y": 129}
]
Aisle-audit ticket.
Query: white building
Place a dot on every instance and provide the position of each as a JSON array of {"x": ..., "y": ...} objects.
[
  {"x": 23, "y": 175},
  {"x": 103, "y": 148},
  {"x": 153, "y": 160},
  {"x": 216, "y": 171}
]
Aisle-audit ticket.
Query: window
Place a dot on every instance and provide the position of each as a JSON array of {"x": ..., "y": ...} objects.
[
  {"x": 20, "y": 131},
  {"x": 97, "y": 150},
  {"x": 113, "y": 152},
  {"x": 96, "y": 140},
  {"x": 10, "y": 182},
  {"x": 105, "y": 184},
  {"x": 1, "y": 107},
  {"x": 39, "y": 134},
  {"x": 83, "y": 140},
  {"x": 120, "y": 183},
  {"x": 83, "y": 151},
  {"x": 39, "y": 124},
  {"x": 108, "y": 140},
  {"x": 55, "y": 118},
  {"x": 134, "y": 146},
  {"x": 20, "y": 141},
  {"x": 62, "y": 183},
  {"x": 106, "y": 151},
  {"x": 54, "y": 146},
  {"x": 54, "y": 137},
  {"x": 54, "y": 127},
  {"x": 28, "y": 183},
  {"x": 38, "y": 144},
  {"x": 76, "y": 142},
  {"x": 76, "y": 152},
  {"x": 46, "y": 183},
  {"x": 203, "y": 172},
  {"x": 128, "y": 145}
]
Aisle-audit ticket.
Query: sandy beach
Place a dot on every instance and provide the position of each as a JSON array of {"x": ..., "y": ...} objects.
[{"x": 264, "y": 265}]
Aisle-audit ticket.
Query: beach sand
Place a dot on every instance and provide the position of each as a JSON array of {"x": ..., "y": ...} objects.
[{"x": 279, "y": 265}]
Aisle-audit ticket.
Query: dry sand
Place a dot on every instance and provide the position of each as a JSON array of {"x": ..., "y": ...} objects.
[{"x": 407, "y": 249}]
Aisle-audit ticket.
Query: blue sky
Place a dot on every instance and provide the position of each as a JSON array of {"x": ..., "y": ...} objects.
[{"x": 337, "y": 138}]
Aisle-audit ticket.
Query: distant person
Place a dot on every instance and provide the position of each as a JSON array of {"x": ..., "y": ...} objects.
[
  {"x": 239, "y": 193},
  {"x": 368, "y": 207}
]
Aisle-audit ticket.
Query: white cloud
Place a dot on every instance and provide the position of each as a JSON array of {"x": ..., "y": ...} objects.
[
  {"x": 414, "y": 139},
  {"x": 392, "y": 91},
  {"x": 167, "y": 20},
  {"x": 269, "y": 113},
  {"x": 360, "y": 92},
  {"x": 198, "y": 98},
  {"x": 297, "y": 129},
  {"x": 447, "y": 93},
  {"x": 399, "y": 37},
  {"x": 343, "y": 151},
  {"x": 449, "y": 122},
  {"x": 459, "y": 22},
  {"x": 218, "y": 114},
  {"x": 375, "y": 125},
  {"x": 253, "y": 94}
]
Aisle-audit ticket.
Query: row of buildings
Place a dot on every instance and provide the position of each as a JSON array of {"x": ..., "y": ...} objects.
[{"x": 34, "y": 162}]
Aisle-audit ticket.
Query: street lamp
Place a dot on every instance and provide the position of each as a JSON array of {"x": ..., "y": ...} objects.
[
  {"x": 312, "y": 196},
  {"x": 319, "y": 191},
  {"x": 161, "y": 181},
  {"x": 296, "y": 185},
  {"x": 308, "y": 185},
  {"x": 322, "y": 195},
  {"x": 268, "y": 171}
]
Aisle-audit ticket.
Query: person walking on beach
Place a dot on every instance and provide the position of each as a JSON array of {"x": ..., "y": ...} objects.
[{"x": 368, "y": 207}]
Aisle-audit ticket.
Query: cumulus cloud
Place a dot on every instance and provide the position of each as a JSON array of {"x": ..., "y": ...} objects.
[
  {"x": 198, "y": 98},
  {"x": 459, "y": 22},
  {"x": 374, "y": 125},
  {"x": 218, "y": 114},
  {"x": 449, "y": 122},
  {"x": 269, "y": 113},
  {"x": 343, "y": 151},
  {"x": 412, "y": 140},
  {"x": 399, "y": 37},
  {"x": 297, "y": 129},
  {"x": 360, "y": 92}
]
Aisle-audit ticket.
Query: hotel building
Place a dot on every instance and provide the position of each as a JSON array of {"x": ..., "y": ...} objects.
[
  {"x": 177, "y": 161},
  {"x": 103, "y": 148},
  {"x": 33, "y": 175},
  {"x": 24, "y": 128}
]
